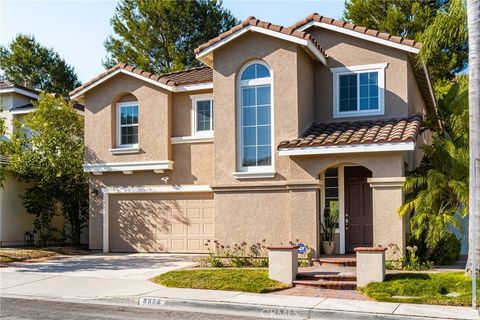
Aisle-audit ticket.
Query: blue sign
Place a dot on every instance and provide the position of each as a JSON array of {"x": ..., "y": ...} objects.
[{"x": 302, "y": 248}]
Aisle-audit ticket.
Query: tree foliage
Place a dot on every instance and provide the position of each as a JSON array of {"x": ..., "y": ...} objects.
[
  {"x": 418, "y": 20},
  {"x": 438, "y": 188},
  {"x": 26, "y": 62},
  {"x": 47, "y": 152},
  {"x": 160, "y": 35}
]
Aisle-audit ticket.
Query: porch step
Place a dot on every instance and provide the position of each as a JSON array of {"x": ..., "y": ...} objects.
[
  {"x": 326, "y": 284},
  {"x": 337, "y": 262},
  {"x": 326, "y": 276}
]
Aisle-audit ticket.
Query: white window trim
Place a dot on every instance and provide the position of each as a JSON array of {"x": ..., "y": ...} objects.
[
  {"x": 196, "y": 98},
  {"x": 119, "y": 127},
  {"x": 265, "y": 170},
  {"x": 337, "y": 72}
]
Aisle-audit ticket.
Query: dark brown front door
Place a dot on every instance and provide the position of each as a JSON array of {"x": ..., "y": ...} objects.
[{"x": 358, "y": 208}]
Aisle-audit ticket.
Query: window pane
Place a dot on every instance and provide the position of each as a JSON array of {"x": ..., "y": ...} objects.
[
  {"x": 203, "y": 115},
  {"x": 262, "y": 71},
  {"x": 249, "y": 116},
  {"x": 332, "y": 172},
  {"x": 331, "y": 192},
  {"x": 369, "y": 91},
  {"x": 249, "y": 136},
  {"x": 364, "y": 104},
  {"x": 248, "y": 96},
  {"x": 263, "y": 135},
  {"x": 264, "y": 156},
  {"x": 373, "y": 103},
  {"x": 263, "y": 95},
  {"x": 249, "y": 156},
  {"x": 348, "y": 92},
  {"x": 249, "y": 73},
  {"x": 263, "y": 115}
]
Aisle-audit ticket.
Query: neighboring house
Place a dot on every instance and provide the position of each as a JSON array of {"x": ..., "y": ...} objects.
[
  {"x": 16, "y": 102},
  {"x": 280, "y": 125},
  {"x": 14, "y": 220}
]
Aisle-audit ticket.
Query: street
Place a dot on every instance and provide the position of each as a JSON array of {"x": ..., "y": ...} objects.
[{"x": 20, "y": 309}]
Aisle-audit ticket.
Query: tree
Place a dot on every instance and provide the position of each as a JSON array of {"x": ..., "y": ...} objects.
[
  {"x": 26, "y": 62},
  {"x": 47, "y": 152},
  {"x": 474, "y": 102},
  {"x": 160, "y": 35},
  {"x": 411, "y": 19},
  {"x": 438, "y": 188}
]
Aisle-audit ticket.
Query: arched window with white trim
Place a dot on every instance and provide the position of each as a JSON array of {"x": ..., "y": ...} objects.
[{"x": 255, "y": 114}]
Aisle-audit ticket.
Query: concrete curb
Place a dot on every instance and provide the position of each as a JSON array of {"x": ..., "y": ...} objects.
[{"x": 229, "y": 308}]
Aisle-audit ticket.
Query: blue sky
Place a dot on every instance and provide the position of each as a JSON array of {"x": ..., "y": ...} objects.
[{"x": 77, "y": 29}]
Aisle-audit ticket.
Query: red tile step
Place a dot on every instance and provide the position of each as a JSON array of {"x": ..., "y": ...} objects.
[
  {"x": 326, "y": 284},
  {"x": 326, "y": 276},
  {"x": 336, "y": 262}
]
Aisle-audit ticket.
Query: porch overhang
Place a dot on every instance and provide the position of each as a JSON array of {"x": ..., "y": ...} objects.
[{"x": 355, "y": 148}]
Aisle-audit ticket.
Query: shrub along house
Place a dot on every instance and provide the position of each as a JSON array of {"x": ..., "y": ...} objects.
[{"x": 281, "y": 124}]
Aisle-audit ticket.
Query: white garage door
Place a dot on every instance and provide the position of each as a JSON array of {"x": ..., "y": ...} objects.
[{"x": 161, "y": 222}]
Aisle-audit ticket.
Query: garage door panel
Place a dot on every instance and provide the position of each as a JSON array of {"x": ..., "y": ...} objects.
[{"x": 161, "y": 222}]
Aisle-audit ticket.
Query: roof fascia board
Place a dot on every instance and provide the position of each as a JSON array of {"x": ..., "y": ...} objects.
[
  {"x": 114, "y": 73},
  {"x": 359, "y": 35},
  {"x": 194, "y": 87},
  {"x": 20, "y": 91},
  {"x": 430, "y": 87},
  {"x": 303, "y": 42},
  {"x": 383, "y": 147},
  {"x": 21, "y": 111}
]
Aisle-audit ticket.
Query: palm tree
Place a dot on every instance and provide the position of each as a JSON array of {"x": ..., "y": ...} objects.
[
  {"x": 474, "y": 103},
  {"x": 438, "y": 189}
]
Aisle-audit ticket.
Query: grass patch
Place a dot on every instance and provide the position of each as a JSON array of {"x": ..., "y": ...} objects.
[
  {"x": 231, "y": 279},
  {"x": 8, "y": 255},
  {"x": 427, "y": 288}
]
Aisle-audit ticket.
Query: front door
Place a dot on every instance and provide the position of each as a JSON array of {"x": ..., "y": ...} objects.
[{"x": 358, "y": 208}]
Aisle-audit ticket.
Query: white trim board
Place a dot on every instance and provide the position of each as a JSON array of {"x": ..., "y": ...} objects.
[
  {"x": 21, "y": 111},
  {"x": 360, "y": 35},
  {"x": 191, "y": 87},
  {"x": 128, "y": 166},
  {"x": 20, "y": 91},
  {"x": 192, "y": 139},
  {"x": 303, "y": 42},
  {"x": 139, "y": 189},
  {"x": 383, "y": 147}
]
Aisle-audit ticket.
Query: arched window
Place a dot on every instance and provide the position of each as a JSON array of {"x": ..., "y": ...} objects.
[{"x": 255, "y": 118}]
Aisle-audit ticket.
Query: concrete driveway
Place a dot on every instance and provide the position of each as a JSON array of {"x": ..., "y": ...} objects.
[{"x": 91, "y": 276}]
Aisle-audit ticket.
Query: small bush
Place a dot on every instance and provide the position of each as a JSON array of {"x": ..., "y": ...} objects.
[{"x": 447, "y": 251}]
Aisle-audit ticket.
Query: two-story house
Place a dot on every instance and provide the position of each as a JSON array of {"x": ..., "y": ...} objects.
[{"x": 281, "y": 124}]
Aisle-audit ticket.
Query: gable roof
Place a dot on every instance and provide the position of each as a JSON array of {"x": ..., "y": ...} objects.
[
  {"x": 7, "y": 86},
  {"x": 306, "y": 40},
  {"x": 174, "y": 81},
  {"x": 329, "y": 137},
  {"x": 316, "y": 19}
]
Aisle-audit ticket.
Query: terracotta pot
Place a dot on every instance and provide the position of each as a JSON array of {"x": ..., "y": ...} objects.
[{"x": 328, "y": 247}]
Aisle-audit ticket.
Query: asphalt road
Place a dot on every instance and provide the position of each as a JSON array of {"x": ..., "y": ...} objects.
[{"x": 20, "y": 309}]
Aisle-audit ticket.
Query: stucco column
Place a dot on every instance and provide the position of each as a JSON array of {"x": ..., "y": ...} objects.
[
  {"x": 388, "y": 226},
  {"x": 304, "y": 203}
]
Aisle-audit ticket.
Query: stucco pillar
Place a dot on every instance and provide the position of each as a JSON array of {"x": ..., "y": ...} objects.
[
  {"x": 304, "y": 210},
  {"x": 283, "y": 264},
  {"x": 388, "y": 226},
  {"x": 370, "y": 265}
]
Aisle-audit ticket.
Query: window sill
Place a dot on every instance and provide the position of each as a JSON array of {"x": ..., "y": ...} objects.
[
  {"x": 339, "y": 114},
  {"x": 125, "y": 150},
  {"x": 254, "y": 175},
  {"x": 192, "y": 139}
]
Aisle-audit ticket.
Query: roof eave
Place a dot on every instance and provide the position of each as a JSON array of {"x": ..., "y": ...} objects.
[{"x": 354, "y": 148}]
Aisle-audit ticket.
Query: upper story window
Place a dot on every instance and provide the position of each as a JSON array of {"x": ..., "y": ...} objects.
[
  {"x": 202, "y": 120},
  {"x": 358, "y": 90},
  {"x": 127, "y": 124},
  {"x": 254, "y": 125}
]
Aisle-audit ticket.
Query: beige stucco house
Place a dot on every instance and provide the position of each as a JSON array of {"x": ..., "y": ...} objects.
[{"x": 280, "y": 126}]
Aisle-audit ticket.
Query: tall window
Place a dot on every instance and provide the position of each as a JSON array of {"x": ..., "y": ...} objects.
[
  {"x": 127, "y": 135},
  {"x": 331, "y": 192},
  {"x": 358, "y": 90},
  {"x": 255, "y": 114},
  {"x": 202, "y": 115}
]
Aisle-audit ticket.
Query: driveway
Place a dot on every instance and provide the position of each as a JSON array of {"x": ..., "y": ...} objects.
[{"x": 91, "y": 276}]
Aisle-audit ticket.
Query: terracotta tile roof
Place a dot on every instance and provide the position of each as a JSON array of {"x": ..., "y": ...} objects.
[
  {"x": 252, "y": 21},
  {"x": 177, "y": 78},
  {"x": 350, "y": 26},
  {"x": 404, "y": 129},
  {"x": 8, "y": 85}
]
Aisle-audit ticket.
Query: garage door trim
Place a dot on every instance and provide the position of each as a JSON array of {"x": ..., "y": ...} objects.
[{"x": 141, "y": 189}]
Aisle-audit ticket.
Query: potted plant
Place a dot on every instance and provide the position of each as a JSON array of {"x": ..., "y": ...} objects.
[{"x": 329, "y": 225}]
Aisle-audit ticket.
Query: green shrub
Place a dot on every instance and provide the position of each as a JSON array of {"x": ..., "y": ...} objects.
[{"x": 447, "y": 251}]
